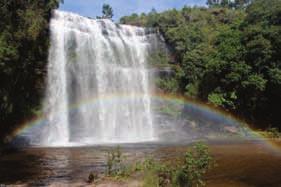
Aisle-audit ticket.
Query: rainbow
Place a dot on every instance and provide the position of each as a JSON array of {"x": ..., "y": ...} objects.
[{"x": 40, "y": 120}]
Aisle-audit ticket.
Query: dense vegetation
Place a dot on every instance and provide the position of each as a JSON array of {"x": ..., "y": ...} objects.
[
  {"x": 24, "y": 42},
  {"x": 228, "y": 54}
]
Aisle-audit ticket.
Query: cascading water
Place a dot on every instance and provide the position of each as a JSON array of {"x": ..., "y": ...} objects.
[{"x": 98, "y": 85}]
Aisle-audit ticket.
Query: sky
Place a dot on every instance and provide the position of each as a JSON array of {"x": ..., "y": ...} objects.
[{"x": 92, "y": 8}]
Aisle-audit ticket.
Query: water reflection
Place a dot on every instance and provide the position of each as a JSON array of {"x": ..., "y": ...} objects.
[
  {"x": 43, "y": 166},
  {"x": 238, "y": 162}
]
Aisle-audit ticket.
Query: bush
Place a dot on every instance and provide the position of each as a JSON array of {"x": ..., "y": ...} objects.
[
  {"x": 115, "y": 163},
  {"x": 156, "y": 173},
  {"x": 197, "y": 161}
]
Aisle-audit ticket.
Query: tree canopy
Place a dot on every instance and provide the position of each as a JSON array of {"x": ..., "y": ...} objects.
[
  {"x": 24, "y": 42},
  {"x": 227, "y": 55},
  {"x": 107, "y": 11}
]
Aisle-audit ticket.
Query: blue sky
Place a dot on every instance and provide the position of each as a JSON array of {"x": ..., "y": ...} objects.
[{"x": 92, "y": 8}]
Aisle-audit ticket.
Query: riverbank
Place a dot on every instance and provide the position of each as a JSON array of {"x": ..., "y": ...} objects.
[{"x": 247, "y": 163}]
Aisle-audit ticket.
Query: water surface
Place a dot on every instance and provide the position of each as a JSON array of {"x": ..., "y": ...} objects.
[{"x": 246, "y": 163}]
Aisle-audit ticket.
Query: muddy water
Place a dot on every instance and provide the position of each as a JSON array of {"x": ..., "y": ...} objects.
[
  {"x": 238, "y": 163},
  {"x": 249, "y": 164}
]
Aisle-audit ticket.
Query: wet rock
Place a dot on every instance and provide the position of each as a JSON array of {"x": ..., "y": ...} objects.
[
  {"x": 233, "y": 130},
  {"x": 93, "y": 176}
]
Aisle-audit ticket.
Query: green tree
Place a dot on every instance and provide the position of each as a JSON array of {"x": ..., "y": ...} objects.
[
  {"x": 212, "y": 3},
  {"x": 241, "y": 3},
  {"x": 196, "y": 163},
  {"x": 107, "y": 11},
  {"x": 229, "y": 57},
  {"x": 24, "y": 46}
]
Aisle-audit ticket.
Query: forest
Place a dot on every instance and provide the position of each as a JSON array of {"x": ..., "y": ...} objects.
[
  {"x": 24, "y": 43},
  {"x": 227, "y": 54}
]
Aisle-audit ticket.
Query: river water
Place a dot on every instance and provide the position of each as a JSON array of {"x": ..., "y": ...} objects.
[{"x": 239, "y": 163}]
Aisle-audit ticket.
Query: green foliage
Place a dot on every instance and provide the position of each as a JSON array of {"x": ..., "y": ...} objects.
[
  {"x": 156, "y": 173},
  {"x": 228, "y": 3},
  {"x": 116, "y": 166},
  {"x": 114, "y": 162},
  {"x": 217, "y": 99},
  {"x": 191, "y": 90},
  {"x": 187, "y": 171},
  {"x": 170, "y": 111},
  {"x": 169, "y": 85},
  {"x": 107, "y": 11},
  {"x": 227, "y": 54},
  {"x": 196, "y": 162},
  {"x": 158, "y": 58},
  {"x": 24, "y": 42}
]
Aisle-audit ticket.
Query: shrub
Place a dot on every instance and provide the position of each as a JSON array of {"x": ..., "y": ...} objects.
[
  {"x": 115, "y": 162},
  {"x": 273, "y": 133},
  {"x": 197, "y": 161}
]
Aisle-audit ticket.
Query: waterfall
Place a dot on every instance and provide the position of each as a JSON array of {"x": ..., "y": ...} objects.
[{"x": 98, "y": 88}]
